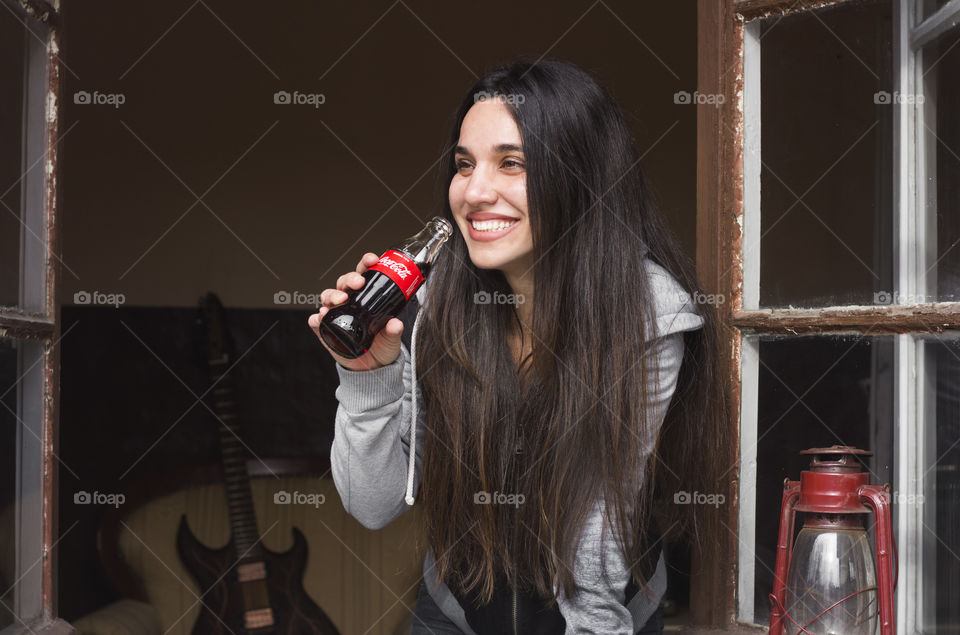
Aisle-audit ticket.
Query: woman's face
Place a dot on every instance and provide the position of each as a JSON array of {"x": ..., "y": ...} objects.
[{"x": 488, "y": 193}]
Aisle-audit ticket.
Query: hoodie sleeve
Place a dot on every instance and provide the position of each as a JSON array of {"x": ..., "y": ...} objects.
[
  {"x": 600, "y": 605},
  {"x": 370, "y": 452}
]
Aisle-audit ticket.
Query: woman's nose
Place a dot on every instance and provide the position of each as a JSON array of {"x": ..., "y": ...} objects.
[{"x": 480, "y": 189}]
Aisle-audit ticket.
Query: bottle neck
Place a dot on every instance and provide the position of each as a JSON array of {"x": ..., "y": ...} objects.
[
  {"x": 424, "y": 253},
  {"x": 425, "y": 245}
]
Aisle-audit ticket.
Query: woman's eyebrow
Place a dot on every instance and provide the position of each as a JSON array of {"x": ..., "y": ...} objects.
[{"x": 499, "y": 149}]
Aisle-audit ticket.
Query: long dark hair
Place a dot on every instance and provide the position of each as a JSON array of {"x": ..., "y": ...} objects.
[{"x": 579, "y": 406}]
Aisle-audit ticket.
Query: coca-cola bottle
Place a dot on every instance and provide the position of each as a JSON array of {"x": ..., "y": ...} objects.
[{"x": 349, "y": 328}]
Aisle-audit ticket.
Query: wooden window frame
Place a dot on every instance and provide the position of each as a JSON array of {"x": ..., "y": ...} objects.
[
  {"x": 721, "y": 141},
  {"x": 35, "y": 326},
  {"x": 720, "y": 237}
]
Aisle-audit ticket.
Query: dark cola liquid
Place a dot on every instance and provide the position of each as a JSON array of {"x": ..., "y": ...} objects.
[{"x": 349, "y": 329}]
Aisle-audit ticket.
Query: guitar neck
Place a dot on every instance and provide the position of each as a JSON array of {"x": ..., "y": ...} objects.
[{"x": 243, "y": 522}]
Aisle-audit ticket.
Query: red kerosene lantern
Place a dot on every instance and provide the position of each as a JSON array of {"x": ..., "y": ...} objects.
[{"x": 827, "y": 583}]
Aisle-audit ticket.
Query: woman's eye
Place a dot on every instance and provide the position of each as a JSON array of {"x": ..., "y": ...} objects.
[
  {"x": 462, "y": 165},
  {"x": 513, "y": 164}
]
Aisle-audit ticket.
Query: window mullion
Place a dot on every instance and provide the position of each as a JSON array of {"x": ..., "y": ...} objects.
[
  {"x": 750, "y": 244},
  {"x": 909, "y": 242},
  {"x": 911, "y": 408},
  {"x": 749, "y": 408},
  {"x": 749, "y": 352},
  {"x": 910, "y": 286}
]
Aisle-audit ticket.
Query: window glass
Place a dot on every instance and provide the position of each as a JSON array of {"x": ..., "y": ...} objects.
[
  {"x": 826, "y": 153},
  {"x": 932, "y": 6},
  {"x": 941, "y": 114},
  {"x": 941, "y": 486},
  {"x": 12, "y": 36},
  {"x": 815, "y": 392},
  {"x": 21, "y": 478},
  {"x": 8, "y": 476}
]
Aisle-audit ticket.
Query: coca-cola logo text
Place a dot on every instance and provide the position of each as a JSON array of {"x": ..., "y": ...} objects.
[{"x": 398, "y": 267}]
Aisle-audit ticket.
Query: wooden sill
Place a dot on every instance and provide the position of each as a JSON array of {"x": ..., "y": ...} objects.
[
  {"x": 740, "y": 629},
  {"x": 43, "y": 627}
]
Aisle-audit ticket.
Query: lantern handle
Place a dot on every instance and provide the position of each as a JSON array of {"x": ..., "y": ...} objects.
[
  {"x": 878, "y": 499},
  {"x": 893, "y": 543},
  {"x": 791, "y": 494}
]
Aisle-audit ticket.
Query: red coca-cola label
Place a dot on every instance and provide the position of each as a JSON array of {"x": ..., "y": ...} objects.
[{"x": 400, "y": 268}]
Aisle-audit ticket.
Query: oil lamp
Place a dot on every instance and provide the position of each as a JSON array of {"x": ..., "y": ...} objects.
[{"x": 828, "y": 582}]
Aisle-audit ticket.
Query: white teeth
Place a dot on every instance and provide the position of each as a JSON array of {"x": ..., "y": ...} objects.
[{"x": 491, "y": 225}]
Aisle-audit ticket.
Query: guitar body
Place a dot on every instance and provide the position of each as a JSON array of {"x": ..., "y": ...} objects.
[{"x": 222, "y": 594}]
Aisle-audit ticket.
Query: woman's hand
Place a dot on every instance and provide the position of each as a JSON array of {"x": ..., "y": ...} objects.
[{"x": 386, "y": 345}]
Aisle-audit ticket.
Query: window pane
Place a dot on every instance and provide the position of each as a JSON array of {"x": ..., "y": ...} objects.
[
  {"x": 941, "y": 64},
  {"x": 8, "y": 477},
  {"x": 11, "y": 154},
  {"x": 826, "y": 152},
  {"x": 942, "y": 488},
  {"x": 815, "y": 392},
  {"x": 21, "y": 478}
]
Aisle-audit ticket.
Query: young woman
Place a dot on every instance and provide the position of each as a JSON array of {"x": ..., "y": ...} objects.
[{"x": 559, "y": 386}]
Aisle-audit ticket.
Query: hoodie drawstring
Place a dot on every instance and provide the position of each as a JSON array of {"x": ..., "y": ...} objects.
[{"x": 413, "y": 410}]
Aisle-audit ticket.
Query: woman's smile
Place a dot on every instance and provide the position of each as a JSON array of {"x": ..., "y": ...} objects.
[{"x": 486, "y": 227}]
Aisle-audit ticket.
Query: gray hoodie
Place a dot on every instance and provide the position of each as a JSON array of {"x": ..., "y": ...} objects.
[{"x": 377, "y": 475}]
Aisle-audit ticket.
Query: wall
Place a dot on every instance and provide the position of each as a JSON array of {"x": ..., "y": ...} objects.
[{"x": 288, "y": 192}]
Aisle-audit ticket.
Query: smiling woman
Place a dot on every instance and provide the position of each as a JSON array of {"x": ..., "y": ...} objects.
[
  {"x": 547, "y": 347},
  {"x": 488, "y": 195}
]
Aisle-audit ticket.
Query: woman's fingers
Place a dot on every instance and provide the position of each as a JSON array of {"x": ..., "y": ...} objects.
[
  {"x": 366, "y": 261},
  {"x": 352, "y": 280},
  {"x": 349, "y": 281},
  {"x": 332, "y": 297}
]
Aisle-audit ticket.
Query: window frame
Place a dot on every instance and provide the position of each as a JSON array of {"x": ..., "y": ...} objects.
[
  {"x": 34, "y": 325},
  {"x": 725, "y": 204}
]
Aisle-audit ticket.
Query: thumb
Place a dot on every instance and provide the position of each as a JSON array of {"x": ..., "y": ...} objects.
[
  {"x": 392, "y": 332},
  {"x": 386, "y": 346}
]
